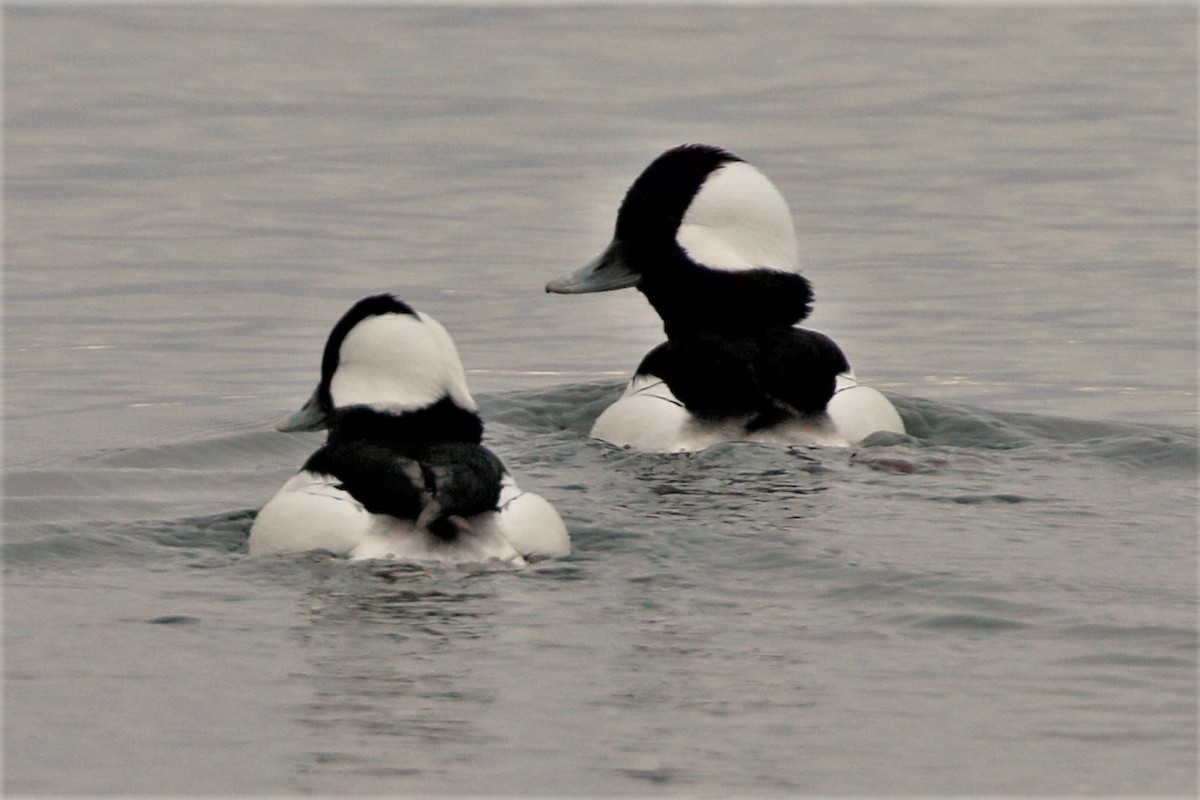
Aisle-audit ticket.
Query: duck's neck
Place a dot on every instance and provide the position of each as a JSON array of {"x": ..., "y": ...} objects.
[
  {"x": 443, "y": 421},
  {"x": 699, "y": 300}
]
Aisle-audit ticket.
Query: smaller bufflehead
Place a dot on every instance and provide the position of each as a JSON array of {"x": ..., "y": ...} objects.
[
  {"x": 709, "y": 241},
  {"x": 403, "y": 473}
]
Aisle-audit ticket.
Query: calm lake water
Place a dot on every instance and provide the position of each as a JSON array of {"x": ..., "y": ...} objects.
[{"x": 997, "y": 208}]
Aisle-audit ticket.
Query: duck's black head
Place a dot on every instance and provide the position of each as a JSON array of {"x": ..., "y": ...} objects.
[
  {"x": 390, "y": 372},
  {"x": 709, "y": 240}
]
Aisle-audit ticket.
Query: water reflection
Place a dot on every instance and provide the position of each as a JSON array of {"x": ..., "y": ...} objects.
[
  {"x": 432, "y": 600},
  {"x": 391, "y": 655}
]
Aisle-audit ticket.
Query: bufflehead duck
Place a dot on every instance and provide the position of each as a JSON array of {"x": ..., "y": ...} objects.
[
  {"x": 403, "y": 474},
  {"x": 709, "y": 241}
]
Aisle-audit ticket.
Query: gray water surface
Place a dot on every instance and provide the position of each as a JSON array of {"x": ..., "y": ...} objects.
[{"x": 996, "y": 206}]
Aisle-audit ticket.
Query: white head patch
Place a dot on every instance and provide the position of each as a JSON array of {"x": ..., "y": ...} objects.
[
  {"x": 738, "y": 221},
  {"x": 398, "y": 362}
]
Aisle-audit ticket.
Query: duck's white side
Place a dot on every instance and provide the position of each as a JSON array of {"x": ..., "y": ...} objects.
[
  {"x": 858, "y": 411},
  {"x": 311, "y": 512},
  {"x": 647, "y": 416}
]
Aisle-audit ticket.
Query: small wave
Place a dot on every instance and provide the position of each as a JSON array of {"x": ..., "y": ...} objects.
[
  {"x": 1130, "y": 660},
  {"x": 46, "y": 544},
  {"x": 979, "y": 499},
  {"x": 568, "y": 407},
  {"x": 254, "y": 447},
  {"x": 574, "y": 407},
  {"x": 969, "y": 622},
  {"x": 1127, "y": 444}
]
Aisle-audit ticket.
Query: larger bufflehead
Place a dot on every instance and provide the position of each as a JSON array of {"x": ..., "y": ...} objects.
[
  {"x": 403, "y": 474},
  {"x": 709, "y": 241}
]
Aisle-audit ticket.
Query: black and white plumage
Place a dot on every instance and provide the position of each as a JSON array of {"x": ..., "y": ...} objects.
[
  {"x": 403, "y": 473},
  {"x": 709, "y": 241}
]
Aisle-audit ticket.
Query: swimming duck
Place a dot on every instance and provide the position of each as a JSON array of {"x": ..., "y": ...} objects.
[
  {"x": 403, "y": 473},
  {"x": 709, "y": 241}
]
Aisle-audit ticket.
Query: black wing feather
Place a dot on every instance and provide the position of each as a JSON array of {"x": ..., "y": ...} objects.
[
  {"x": 771, "y": 375},
  {"x": 799, "y": 367},
  {"x": 427, "y": 481}
]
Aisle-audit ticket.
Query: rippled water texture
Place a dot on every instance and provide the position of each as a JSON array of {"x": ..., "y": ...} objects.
[{"x": 997, "y": 209}]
